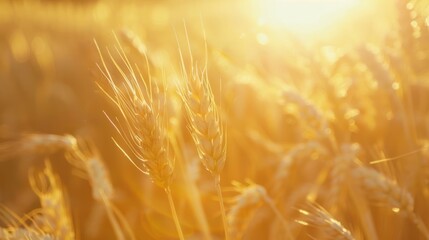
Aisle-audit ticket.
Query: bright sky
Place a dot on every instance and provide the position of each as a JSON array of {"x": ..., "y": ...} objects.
[{"x": 304, "y": 16}]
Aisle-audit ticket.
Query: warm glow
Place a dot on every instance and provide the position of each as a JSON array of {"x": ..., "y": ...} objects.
[{"x": 304, "y": 16}]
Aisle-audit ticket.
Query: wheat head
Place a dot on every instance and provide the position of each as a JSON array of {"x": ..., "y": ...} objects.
[
  {"x": 382, "y": 190},
  {"x": 55, "y": 214},
  {"x": 322, "y": 219},
  {"x": 142, "y": 124},
  {"x": 86, "y": 157},
  {"x": 205, "y": 123}
]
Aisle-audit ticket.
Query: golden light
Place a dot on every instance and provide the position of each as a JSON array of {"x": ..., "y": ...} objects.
[{"x": 304, "y": 16}]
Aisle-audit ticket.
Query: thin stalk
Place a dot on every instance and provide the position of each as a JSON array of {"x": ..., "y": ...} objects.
[
  {"x": 193, "y": 195},
  {"x": 118, "y": 221},
  {"x": 419, "y": 223},
  {"x": 116, "y": 227},
  {"x": 222, "y": 207},
  {"x": 173, "y": 212},
  {"x": 279, "y": 215}
]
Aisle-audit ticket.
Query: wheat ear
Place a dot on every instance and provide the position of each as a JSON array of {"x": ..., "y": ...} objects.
[
  {"x": 249, "y": 200},
  {"x": 35, "y": 144},
  {"x": 86, "y": 158},
  {"x": 314, "y": 120},
  {"x": 204, "y": 123},
  {"x": 16, "y": 227},
  {"x": 321, "y": 218},
  {"x": 297, "y": 155},
  {"x": 142, "y": 125},
  {"x": 383, "y": 190},
  {"x": 55, "y": 214},
  {"x": 244, "y": 207}
]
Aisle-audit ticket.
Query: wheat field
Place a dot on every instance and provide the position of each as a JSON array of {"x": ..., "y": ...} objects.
[{"x": 213, "y": 120}]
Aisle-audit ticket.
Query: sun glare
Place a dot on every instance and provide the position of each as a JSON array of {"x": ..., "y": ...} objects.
[{"x": 304, "y": 16}]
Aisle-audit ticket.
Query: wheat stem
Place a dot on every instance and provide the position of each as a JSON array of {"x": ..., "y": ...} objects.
[
  {"x": 116, "y": 227},
  {"x": 419, "y": 223},
  {"x": 174, "y": 213},
  {"x": 278, "y": 214},
  {"x": 193, "y": 194},
  {"x": 221, "y": 205}
]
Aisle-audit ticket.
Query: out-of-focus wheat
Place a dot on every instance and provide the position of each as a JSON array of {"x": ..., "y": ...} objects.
[
  {"x": 313, "y": 120},
  {"x": 382, "y": 190},
  {"x": 86, "y": 157},
  {"x": 55, "y": 216},
  {"x": 16, "y": 228},
  {"x": 30, "y": 144},
  {"x": 297, "y": 155},
  {"x": 249, "y": 200},
  {"x": 245, "y": 205},
  {"x": 306, "y": 115}
]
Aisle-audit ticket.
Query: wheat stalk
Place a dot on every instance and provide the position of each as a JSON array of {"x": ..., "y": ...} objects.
[
  {"x": 342, "y": 165},
  {"x": 142, "y": 126}
]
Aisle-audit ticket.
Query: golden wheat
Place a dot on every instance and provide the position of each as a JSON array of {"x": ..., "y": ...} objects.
[
  {"x": 30, "y": 144},
  {"x": 143, "y": 125},
  {"x": 86, "y": 157},
  {"x": 333, "y": 115},
  {"x": 384, "y": 191},
  {"x": 55, "y": 213},
  {"x": 320, "y": 218},
  {"x": 204, "y": 123}
]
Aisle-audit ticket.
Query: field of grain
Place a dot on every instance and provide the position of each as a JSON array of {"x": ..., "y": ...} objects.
[{"x": 248, "y": 119}]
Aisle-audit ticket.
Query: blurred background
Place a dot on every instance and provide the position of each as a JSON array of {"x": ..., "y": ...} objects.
[{"x": 362, "y": 64}]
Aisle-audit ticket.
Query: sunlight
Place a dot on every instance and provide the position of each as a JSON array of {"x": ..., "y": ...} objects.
[{"x": 304, "y": 16}]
